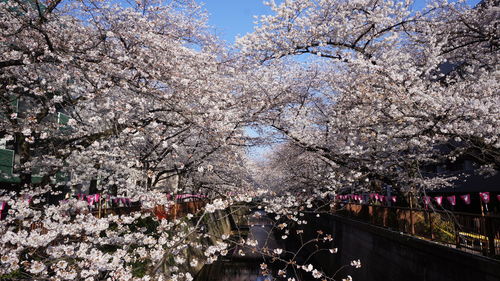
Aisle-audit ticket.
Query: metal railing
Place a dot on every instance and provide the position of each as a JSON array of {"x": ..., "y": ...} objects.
[
  {"x": 178, "y": 210},
  {"x": 469, "y": 232}
]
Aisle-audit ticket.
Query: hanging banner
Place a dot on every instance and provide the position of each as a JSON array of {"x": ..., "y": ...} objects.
[
  {"x": 377, "y": 196},
  {"x": 382, "y": 198},
  {"x": 372, "y": 195},
  {"x": 394, "y": 199},
  {"x": 452, "y": 199},
  {"x": 485, "y": 197},
  {"x": 466, "y": 198},
  {"x": 439, "y": 200}
]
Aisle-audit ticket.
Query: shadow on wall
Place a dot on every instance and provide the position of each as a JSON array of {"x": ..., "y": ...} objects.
[{"x": 390, "y": 256}]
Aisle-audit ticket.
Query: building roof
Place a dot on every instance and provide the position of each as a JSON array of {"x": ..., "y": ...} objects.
[{"x": 470, "y": 182}]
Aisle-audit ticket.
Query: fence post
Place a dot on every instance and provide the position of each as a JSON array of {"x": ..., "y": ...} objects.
[
  {"x": 412, "y": 225},
  {"x": 372, "y": 214},
  {"x": 457, "y": 233},
  {"x": 430, "y": 225},
  {"x": 490, "y": 235}
]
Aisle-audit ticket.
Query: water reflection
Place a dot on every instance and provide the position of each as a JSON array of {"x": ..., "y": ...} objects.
[
  {"x": 232, "y": 271},
  {"x": 247, "y": 267},
  {"x": 260, "y": 229}
]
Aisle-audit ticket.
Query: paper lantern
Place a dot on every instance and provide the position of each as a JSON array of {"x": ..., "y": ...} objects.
[
  {"x": 485, "y": 197},
  {"x": 427, "y": 200},
  {"x": 452, "y": 199},
  {"x": 466, "y": 198},
  {"x": 439, "y": 200}
]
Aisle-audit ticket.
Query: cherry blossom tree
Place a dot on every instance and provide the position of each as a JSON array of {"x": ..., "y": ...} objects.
[
  {"x": 150, "y": 99},
  {"x": 140, "y": 99},
  {"x": 376, "y": 90},
  {"x": 138, "y": 96}
]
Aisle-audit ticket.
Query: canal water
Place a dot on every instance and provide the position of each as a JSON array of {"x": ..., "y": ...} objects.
[{"x": 235, "y": 267}]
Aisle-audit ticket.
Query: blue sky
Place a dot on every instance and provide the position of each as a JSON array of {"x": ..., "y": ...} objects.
[{"x": 230, "y": 18}]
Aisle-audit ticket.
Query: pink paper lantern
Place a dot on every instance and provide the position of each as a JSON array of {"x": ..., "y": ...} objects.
[
  {"x": 466, "y": 198},
  {"x": 439, "y": 200},
  {"x": 452, "y": 199},
  {"x": 427, "y": 200},
  {"x": 485, "y": 197}
]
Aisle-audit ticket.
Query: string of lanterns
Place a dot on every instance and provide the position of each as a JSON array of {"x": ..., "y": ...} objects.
[{"x": 452, "y": 199}]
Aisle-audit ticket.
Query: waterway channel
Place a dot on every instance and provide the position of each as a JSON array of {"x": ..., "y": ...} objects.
[{"x": 235, "y": 267}]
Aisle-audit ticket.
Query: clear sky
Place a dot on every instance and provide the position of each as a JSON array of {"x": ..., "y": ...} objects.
[{"x": 230, "y": 18}]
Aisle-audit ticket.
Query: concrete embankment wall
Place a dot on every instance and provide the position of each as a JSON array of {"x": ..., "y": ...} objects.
[
  {"x": 215, "y": 224},
  {"x": 390, "y": 256}
]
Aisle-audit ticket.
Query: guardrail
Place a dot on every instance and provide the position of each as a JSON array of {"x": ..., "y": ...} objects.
[
  {"x": 178, "y": 210},
  {"x": 474, "y": 233},
  {"x": 100, "y": 207}
]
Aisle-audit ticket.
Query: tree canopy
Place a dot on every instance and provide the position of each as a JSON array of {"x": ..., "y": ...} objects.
[{"x": 140, "y": 99}]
